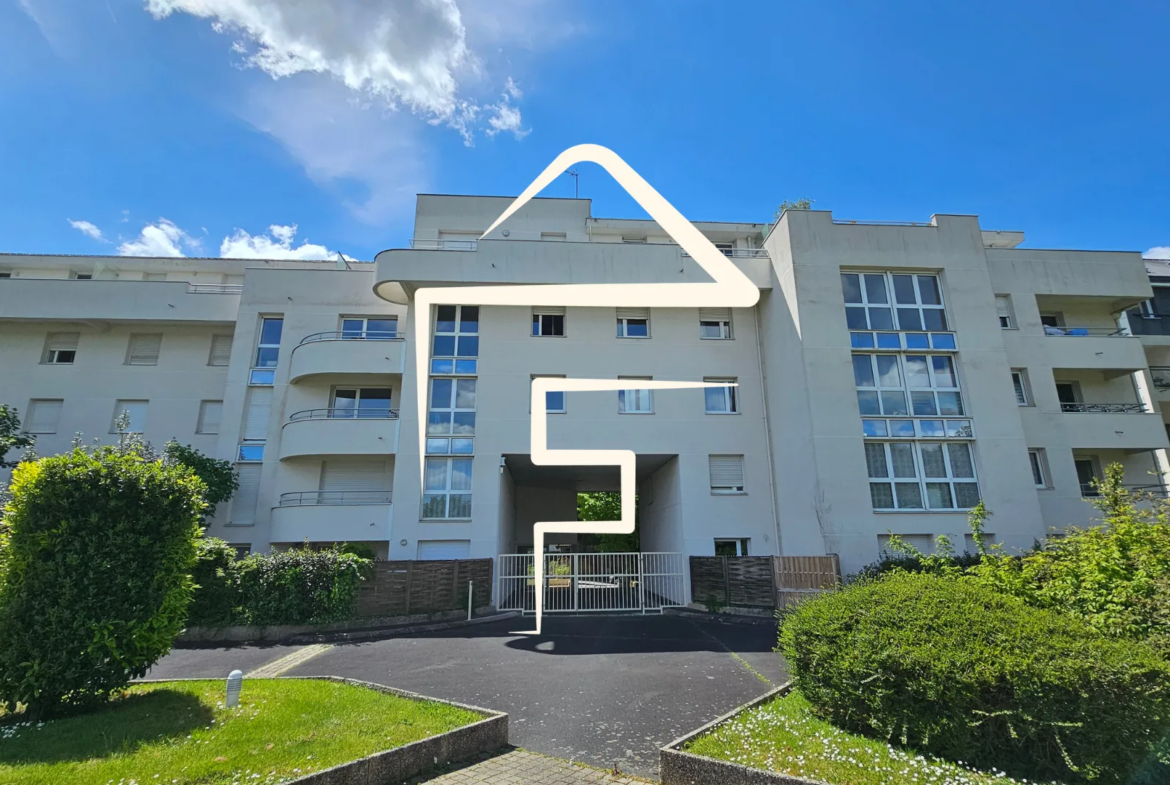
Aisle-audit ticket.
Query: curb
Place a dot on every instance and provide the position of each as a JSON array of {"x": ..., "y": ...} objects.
[
  {"x": 721, "y": 618},
  {"x": 392, "y": 632}
]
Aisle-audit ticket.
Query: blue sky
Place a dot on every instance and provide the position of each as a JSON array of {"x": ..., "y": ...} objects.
[{"x": 193, "y": 126}]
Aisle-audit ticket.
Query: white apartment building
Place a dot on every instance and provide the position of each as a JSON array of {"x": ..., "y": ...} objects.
[{"x": 890, "y": 377}]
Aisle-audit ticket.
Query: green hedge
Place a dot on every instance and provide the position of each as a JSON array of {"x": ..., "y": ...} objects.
[
  {"x": 298, "y": 586},
  {"x": 959, "y": 670}
]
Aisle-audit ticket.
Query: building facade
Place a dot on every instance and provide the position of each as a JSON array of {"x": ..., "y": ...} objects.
[{"x": 890, "y": 377}]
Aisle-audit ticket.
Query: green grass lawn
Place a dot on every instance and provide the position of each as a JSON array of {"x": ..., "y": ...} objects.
[
  {"x": 783, "y": 736},
  {"x": 180, "y": 732}
]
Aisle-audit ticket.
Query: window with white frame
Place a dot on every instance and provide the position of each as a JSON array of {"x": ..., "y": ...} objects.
[
  {"x": 635, "y": 400},
  {"x": 221, "y": 350},
  {"x": 633, "y": 322},
  {"x": 548, "y": 321},
  {"x": 903, "y": 385},
  {"x": 721, "y": 400},
  {"x": 921, "y": 475},
  {"x": 362, "y": 402},
  {"x": 455, "y": 343},
  {"x": 1020, "y": 385},
  {"x": 210, "y": 414},
  {"x": 137, "y": 412},
  {"x": 1039, "y": 463},
  {"x": 144, "y": 349},
  {"x": 451, "y": 414},
  {"x": 1003, "y": 308},
  {"x": 715, "y": 324},
  {"x": 373, "y": 328},
  {"x": 726, "y": 473},
  {"x": 60, "y": 348},
  {"x": 730, "y": 547},
  {"x": 893, "y": 301},
  {"x": 447, "y": 488},
  {"x": 268, "y": 345},
  {"x": 554, "y": 400},
  {"x": 251, "y": 453},
  {"x": 43, "y": 415}
]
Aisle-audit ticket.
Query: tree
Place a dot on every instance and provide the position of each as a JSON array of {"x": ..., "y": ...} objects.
[
  {"x": 219, "y": 476},
  {"x": 799, "y": 204},
  {"x": 11, "y": 437},
  {"x": 606, "y": 506}
]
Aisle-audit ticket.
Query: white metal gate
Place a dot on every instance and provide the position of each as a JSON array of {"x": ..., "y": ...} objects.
[{"x": 592, "y": 582}]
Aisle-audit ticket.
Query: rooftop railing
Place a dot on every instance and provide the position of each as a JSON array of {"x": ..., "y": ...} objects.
[
  {"x": 355, "y": 335},
  {"x": 215, "y": 288},
  {"x": 1104, "y": 408},
  {"x": 443, "y": 245},
  {"x": 334, "y": 498},
  {"x": 343, "y": 413},
  {"x": 739, "y": 253}
]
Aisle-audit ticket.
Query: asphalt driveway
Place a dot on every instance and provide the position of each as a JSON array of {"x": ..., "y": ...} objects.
[{"x": 605, "y": 690}]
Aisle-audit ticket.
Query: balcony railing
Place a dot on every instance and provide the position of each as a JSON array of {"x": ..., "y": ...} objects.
[
  {"x": 1091, "y": 491},
  {"x": 1104, "y": 408},
  {"x": 354, "y": 335},
  {"x": 739, "y": 253},
  {"x": 336, "y": 413},
  {"x": 1081, "y": 332},
  {"x": 1161, "y": 376},
  {"x": 215, "y": 288},
  {"x": 444, "y": 245},
  {"x": 333, "y": 498}
]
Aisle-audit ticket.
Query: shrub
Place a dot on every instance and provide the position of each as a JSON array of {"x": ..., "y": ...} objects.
[
  {"x": 299, "y": 586},
  {"x": 95, "y": 579},
  {"x": 360, "y": 549},
  {"x": 969, "y": 674},
  {"x": 218, "y": 476}
]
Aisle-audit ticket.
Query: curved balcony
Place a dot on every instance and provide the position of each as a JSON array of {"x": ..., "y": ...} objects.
[
  {"x": 332, "y": 516},
  {"x": 338, "y": 353},
  {"x": 322, "y": 432}
]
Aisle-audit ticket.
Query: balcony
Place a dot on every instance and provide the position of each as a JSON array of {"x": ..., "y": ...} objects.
[
  {"x": 1123, "y": 426},
  {"x": 52, "y": 299},
  {"x": 332, "y": 516},
  {"x": 1104, "y": 408},
  {"x": 321, "y": 432},
  {"x": 1096, "y": 348},
  {"x": 1141, "y": 491},
  {"x": 347, "y": 353}
]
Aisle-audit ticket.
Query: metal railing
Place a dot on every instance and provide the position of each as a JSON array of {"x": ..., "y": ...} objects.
[
  {"x": 1091, "y": 491},
  {"x": 333, "y": 498},
  {"x": 848, "y": 222},
  {"x": 1161, "y": 376},
  {"x": 738, "y": 253},
  {"x": 1104, "y": 408},
  {"x": 215, "y": 288},
  {"x": 351, "y": 335},
  {"x": 341, "y": 413},
  {"x": 1081, "y": 332},
  {"x": 444, "y": 245}
]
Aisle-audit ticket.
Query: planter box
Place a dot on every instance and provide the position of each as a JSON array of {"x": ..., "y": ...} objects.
[{"x": 684, "y": 768}]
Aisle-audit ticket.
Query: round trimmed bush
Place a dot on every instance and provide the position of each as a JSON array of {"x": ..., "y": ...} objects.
[
  {"x": 961, "y": 671},
  {"x": 95, "y": 563}
]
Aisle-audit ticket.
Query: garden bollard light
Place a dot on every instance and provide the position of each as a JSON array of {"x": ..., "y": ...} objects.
[{"x": 235, "y": 680}]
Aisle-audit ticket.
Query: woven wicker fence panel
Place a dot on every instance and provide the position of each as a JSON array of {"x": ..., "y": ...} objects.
[
  {"x": 401, "y": 588},
  {"x": 749, "y": 581},
  {"x": 708, "y": 578}
]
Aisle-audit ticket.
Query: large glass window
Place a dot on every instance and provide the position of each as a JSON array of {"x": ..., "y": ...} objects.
[
  {"x": 369, "y": 328},
  {"x": 447, "y": 488},
  {"x": 268, "y": 347},
  {"x": 921, "y": 475},
  {"x": 362, "y": 402},
  {"x": 893, "y": 301},
  {"x": 721, "y": 400},
  {"x": 635, "y": 401},
  {"x": 919, "y": 385},
  {"x": 456, "y": 331},
  {"x": 452, "y": 408}
]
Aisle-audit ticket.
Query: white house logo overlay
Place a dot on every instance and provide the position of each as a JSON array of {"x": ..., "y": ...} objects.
[{"x": 731, "y": 289}]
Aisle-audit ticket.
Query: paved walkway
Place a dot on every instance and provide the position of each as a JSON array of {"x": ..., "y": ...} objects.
[{"x": 520, "y": 767}]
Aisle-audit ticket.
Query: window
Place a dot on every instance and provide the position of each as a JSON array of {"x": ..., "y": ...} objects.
[
  {"x": 137, "y": 412},
  {"x": 726, "y": 473},
  {"x": 456, "y": 331},
  {"x": 257, "y": 410},
  {"x": 916, "y": 304},
  {"x": 451, "y": 417},
  {"x": 242, "y": 551},
  {"x": 60, "y": 348},
  {"x": 721, "y": 400},
  {"x": 725, "y": 248},
  {"x": 373, "y": 329},
  {"x": 554, "y": 236},
  {"x": 1003, "y": 307},
  {"x": 725, "y": 547},
  {"x": 5, "y": 274},
  {"x": 633, "y": 239},
  {"x": 43, "y": 415},
  {"x": 923, "y": 543},
  {"x": 260, "y": 377},
  {"x": 1069, "y": 395},
  {"x": 715, "y": 324},
  {"x": 243, "y": 511},
  {"x": 76, "y": 276},
  {"x": 268, "y": 347},
  {"x": 362, "y": 402},
  {"x": 1020, "y": 385},
  {"x": 1088, "y": 472},
  {"x": 1053, "y": 322},
  {"x": 210, "y": 414},
  {"x": 144, "y": 349},
  {"x": 554, "y": 401},
  {"x": 921, "y": 475},
  {"x": 1147, "y": 309},
  {"x": 251, "y": 453},
  {"x": 897, "y": 385},
  {"x": 548, "y": 321},
  {"x": 154, "y": 276},
  {"x": 633, "y": 322},
  {"x": 1039, "y": 463},
  {"x": 635, "y": 401},
  {"x": 221, "y": 350},
  {"x": 447, "y": 488}
]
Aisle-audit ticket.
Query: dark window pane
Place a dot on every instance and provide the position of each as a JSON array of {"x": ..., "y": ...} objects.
[
  {"x": 934, "y": 319},
  {"x": 861, "y": 340},
  {"x": 352, "y": 328},
  {"x": 902, "y": 457},
  {"x": 904, "y": 290},
  {"x": 444, "y": 346},
  {"x": 933, "y": 464},
  {"x": 881, "y": 319},
  {"x": 469, "y": 319},
  {"x": 381, "y": 328},
  {"x": 966, "y": 495},
  {"x": 875, "y": 289},
  {"x": 851, "y": 286},
  {"x": 928, "y": 288},
  {"x": 875, "y": 460},
  {"x": 465, "y": 366},
  {"x": 862, "y": 370},
  {"x": 555, "y": 401},
  {"x": 924, "y": 404},
  {"x": 881, "y": 495},
  {"x": 445, "y": 319},
  {"x": 894, "y": 403},
  {"x": 536, "y": 324},
  {"x": 637, "y": 328},
  {"x": 855, "y": 318},
  {"x": 867, "y": 402},
  {"x": 434, "y": 506},
  {"x": 441, "y": 393},
  {"x": 909, "y": 495},
  {"x": 266, "y": 357},
  {"x": 270, "y": 331},
  {"x": 889, "y": 341},
  {"x": 961, "y": 465},
  {"x": 942, "y": 341},
  {"x": 468, "y": 346},
  {"x": 908, "y": 319},
  {"x": 950, "y": 404},
  {"x": 916, "y": 340}
]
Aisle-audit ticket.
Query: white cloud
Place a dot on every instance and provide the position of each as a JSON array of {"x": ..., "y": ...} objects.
[
  {"x": 506, "y": 118},
  {"x": 160, "y": 239},
  {"x": 1158, "y": 252},
  {"x": 512, "y": 89},
  {"x": 86, "y": 228},
  {"x": 241, "y": 245}
]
